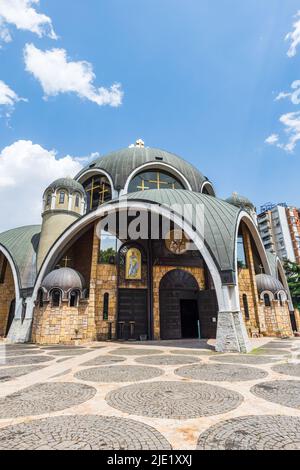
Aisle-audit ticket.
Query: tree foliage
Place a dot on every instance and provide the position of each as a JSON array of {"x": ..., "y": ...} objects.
[{"x": 292, "y": 271}]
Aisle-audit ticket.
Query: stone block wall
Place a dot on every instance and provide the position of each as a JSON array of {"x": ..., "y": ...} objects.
[
  {"x": 277, "y": 318},
  {"x": 106, "y": 283},
  {"x": 62, "y": 325},
  {"x": 7, "y": 294},
  {"x": 158, "y": 274}
]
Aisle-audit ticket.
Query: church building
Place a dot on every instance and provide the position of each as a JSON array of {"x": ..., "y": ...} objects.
[{"x": 184, "y": 264}]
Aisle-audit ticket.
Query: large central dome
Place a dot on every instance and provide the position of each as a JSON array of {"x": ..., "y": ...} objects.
[{"x": 119, "y": 165}]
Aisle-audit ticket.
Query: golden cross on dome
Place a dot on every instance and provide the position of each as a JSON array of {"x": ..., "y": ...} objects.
[
  {"x": 143, "y": 187},
  {"x": 92, "y": 192},
  {"x": 66, "y": 260},
  {"x": 102, "y": 192},
  {"x": 158, "y": 181}
]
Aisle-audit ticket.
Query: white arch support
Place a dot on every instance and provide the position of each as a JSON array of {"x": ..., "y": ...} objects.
[{"x": 231, "y": 335}]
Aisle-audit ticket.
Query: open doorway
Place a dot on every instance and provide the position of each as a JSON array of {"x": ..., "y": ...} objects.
[{"x": 189, "y": 318}]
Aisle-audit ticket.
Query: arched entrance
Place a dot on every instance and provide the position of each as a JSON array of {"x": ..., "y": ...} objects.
[{"x": 178, "y": 305}]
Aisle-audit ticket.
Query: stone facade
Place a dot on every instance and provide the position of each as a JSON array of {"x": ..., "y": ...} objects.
[
  {"x": 277, "y": 318},
  {"x": 106, "y": 283},
  {"x": 158, "y": 274},
  {"x": 62, "y": 325},
  {"x": 7, "y": 294}
]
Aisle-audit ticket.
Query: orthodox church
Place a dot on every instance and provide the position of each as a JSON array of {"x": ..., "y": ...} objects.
[{"x": 78, "y": 277}]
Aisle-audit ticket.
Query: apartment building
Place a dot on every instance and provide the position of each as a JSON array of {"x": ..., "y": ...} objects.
[{"x": 279, "y": 226}]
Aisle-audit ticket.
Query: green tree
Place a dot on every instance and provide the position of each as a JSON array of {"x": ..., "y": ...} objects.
[{"x": 292, "y": 271}]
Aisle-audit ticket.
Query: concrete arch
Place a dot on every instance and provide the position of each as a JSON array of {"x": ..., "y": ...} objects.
[{"x": 210, "y": 188}]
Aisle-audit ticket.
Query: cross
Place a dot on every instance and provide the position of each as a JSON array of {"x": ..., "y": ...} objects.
[
  {"x": 92, "y": 192},
  {"x": 102, "y": 192},
  {"x": 140, "y": 143},
  {"x": 142, "y": 187},
  {"x": 158, "y": 181},
  {"x": 66, "y": 260}
]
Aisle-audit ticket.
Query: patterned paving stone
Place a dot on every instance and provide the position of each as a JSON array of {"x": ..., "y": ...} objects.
[
  {"x": 103, "y": 360},
  {"x": 134, "y": 351},
  {"x": 61, "y": 348},
  {"x": 82, "y": 433},
  {"x": 244, "y": 359},
  {"x": 26, "y": 360},
  {"x": 276, "y": 345},
  {"x": 65, "y": 372},
  {"x": 14, "y": 372},
  {"x": 173, "y": 400},
  {"x": 167, "y": 360},
  {"x": 44, "y": 398},
  {"x": 282, "y": 392},
  {"x": 70, "y": 352},
  {"x": 192, "y": 352},
  {"x": 118, "y": 374},
  {"x": 19, "y": 352},
  {"x": 221, "y": 372},
  {"x": 287, "y": 369},
  {"x": 271, "y": 352},
  {"x": 253, "y": 433}
]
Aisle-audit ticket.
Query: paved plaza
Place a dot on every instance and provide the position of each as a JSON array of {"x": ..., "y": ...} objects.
[{"x": 159, "y": 395}]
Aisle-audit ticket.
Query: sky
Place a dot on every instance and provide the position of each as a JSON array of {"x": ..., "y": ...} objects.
[{"x": 216, "y": 82}]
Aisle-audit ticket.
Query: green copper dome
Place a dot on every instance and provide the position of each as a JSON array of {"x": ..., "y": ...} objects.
[
  {"x": 120, "y": 164},
  {"x": 240, "y": 201},
  {"x": 66, "y": 183}
]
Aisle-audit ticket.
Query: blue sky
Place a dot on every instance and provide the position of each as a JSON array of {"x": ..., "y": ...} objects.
[{"x": 199, "y": 78}]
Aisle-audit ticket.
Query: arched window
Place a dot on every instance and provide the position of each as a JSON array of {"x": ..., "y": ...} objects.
[
  {"x": 98, "y": 191},
  {"x": 246, "y": 307},
  {"x": 77, "y": 200},
  {"x": 74, "y": 298},
  {"x": 55, "y": 298},
  {"x": 62, "y": 197},
  {"x": 280, "y": 300},
  {"x": 267, "y": 300},
  {"x": 154, "y": 180},
  {"x": 48, "y": 199},
  {"x": 105, "y": 306}
]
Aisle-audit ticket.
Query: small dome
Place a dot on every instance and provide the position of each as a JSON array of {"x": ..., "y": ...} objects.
[
  {"x": 65, "y": 279},
  {"x": 240, "y": 201},
  {"x": 66, "y": 183},
  {"x": 267, "y": 282}
]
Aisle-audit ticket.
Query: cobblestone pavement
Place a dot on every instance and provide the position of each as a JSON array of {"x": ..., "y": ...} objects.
[
  {"x": 66, "y": 397},
  {"x": 83, "y": 433},
  {"x": 287, "y": 369},
  {"x": 118, "y": 373},
  {"x": 253, "y": 433},
  {"x": 283, "y": 392},
  {"x": 221, "y": 372},
  {"x": 167, "y": 360},
  {"x": 175, "y": 400}
]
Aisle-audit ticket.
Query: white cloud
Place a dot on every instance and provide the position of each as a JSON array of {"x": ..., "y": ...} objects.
[
  {"x": 291, "y": 122},
  {"x": 8, "y": 98},
  {"x": 294, "y": 36},
  {"x": 23, "y": 15},
  {"x": 57, "y": 74},
  {"x": 26, "y": 169},
  {"x": 293, "y": 95},
  {"x": 272, "y": 139}
]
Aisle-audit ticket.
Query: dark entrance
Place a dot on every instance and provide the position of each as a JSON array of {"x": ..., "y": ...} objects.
[
  {"x": 189, "y": 318},
  {"x": 178, "y": 309},
  {"x": 132, "y": 314},
  {"x": 11, "y": 316}
]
